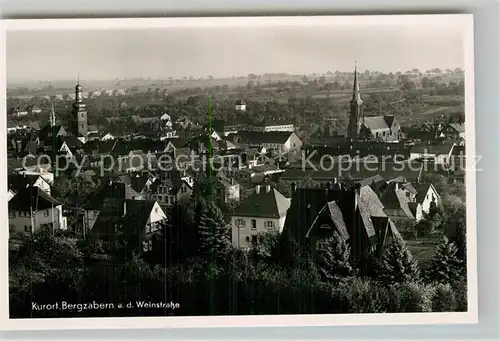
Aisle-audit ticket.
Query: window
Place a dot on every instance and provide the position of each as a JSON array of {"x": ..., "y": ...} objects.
[
  {"x": 383, "y": 133},
  {"x": 254, "y": 240},
  {"x": 26, "y": 228},
  {"x": 148, "y": 228},
  {"x": 46, "y": 213},
  {"x": 13, "y": 214},
  {"x": 247, "y": 239},
  {"x": 254, "y": 224},
  {"x": 269, "y": 224},
  {"x": 239, "y": 222},
  {"x": 325, "y": 226},
  {"x": 321, "y": 244},
  {"x": 147, "y": 246},
  {"x": 11, "y": 227}
]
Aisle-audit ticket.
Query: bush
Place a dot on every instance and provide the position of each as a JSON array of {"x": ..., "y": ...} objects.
[
  {"x": 364, "y": 296},
  {"x": 460, "y": 288},
  {"x": 444, "y": 299},
  {"x": 414, "y": 297}
]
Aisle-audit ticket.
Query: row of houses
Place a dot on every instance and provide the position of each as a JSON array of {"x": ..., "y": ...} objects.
[{"x": 365, "y": 213}]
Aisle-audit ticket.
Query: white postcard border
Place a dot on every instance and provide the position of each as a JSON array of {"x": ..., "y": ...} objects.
[{"x": 471, "y": 316}]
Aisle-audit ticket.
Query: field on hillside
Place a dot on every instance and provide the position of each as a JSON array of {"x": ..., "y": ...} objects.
[{"x": 422, "y": 249}]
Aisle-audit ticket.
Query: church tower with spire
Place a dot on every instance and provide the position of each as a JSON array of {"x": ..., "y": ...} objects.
[
  {"x": 52, "y": 116},
  {"x": 80, "y": 126},
  {"x": 355, "y": 111}
]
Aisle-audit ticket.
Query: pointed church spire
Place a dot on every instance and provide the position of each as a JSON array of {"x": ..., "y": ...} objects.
[
  {"x": 356, "y": 95},
  {"x": 52, "y": 116}
]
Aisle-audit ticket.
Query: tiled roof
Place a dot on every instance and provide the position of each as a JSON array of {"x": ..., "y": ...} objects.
[
  {"x": 422, "y": 190},
  {"x": 369, "y": 206},
  {"x": 410, "y": 188},
  {"x": 357, "y": 171},
  {"x": 137, "y": 182},
  {"x": 131, "y": 216},
  {"x": 20, "y": 181},
  {"x": 110, "y": 190},
  {"x": 338, "y": 219},
  {"x": 270, "y": 204},
  {"x": 396, "y": 200},
  {"x": 32, "y": 198},
  {"x": 373, "y": 179},
  {"x": 376, "y": 122},
  {"x": 256, "y": 138},
  {"x": 459, "y": 128},
  {"x": 437, "y": 149}
]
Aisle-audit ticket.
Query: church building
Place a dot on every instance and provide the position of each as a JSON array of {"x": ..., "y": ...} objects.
[
  {"x": 79, "y": 114},
  {"x": 384, "y": 128}
]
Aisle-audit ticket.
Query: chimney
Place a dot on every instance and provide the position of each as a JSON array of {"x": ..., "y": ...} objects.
[
  {"x": 268, "y": 188},
  {"x": 257, "y": 189}
]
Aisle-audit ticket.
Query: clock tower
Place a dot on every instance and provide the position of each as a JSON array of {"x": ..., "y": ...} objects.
[{"x": 80, "y": 126}]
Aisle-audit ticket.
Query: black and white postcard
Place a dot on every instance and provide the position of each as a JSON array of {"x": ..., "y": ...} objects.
[{"x": 238, "y": 171}]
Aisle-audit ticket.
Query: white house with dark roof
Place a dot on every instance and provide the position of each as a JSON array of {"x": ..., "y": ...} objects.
[
  {"x": 262, "y": 211},
  {"x": 32, "y": 208},
  {"x": 281, "y": 141},
  {"x": 274, "y": 125},
  {"x": 138, "y": 219},
  {"x": 240, "y": 105},
  {"x": 437, "y": 153},
  {"x": 426, "y": 196},
  {"x": 385, "y": 128}
]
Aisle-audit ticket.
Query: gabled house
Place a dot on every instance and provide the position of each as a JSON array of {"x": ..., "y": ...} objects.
[
  {"x": 48, "y": 132},
  {"x": 10, "y": 194},
  {"x": 31, "y": 208},
  {"x": 274, "y": 125},
  {"x": 139, "y": 182},
  {"x": 107, "y": 137},
  {"x": 398, "y": 206},
  {"x": 437, "y": 153},
  {"x": 169, "y": 190},
  {"x": 109, "y": 190},
  {"x": 385, "y": 128},
  {"x": 454, "y": 130},
  {"x": 264, "y": 210},
  {"x": 356, "y": 213},
  {"x": 426, "y": 196},
  {"x": 228, "y": 189},
  {"x": 17, "y": 182},
  {"x": 281, "y": 141},
  {"x": 135, "y": 220}
]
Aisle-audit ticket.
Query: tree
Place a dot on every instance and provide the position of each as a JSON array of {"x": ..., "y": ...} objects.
[
  {"x": 398, "y": 265},
  {"x": 47, "y": 258},
  {"x": 213, "y": 233},
  {"x": 334, "y": 260},
  {"x": 445, "y": 266}
]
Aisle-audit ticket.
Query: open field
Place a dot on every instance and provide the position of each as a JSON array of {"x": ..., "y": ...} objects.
[{"x": 422, "y": 249}]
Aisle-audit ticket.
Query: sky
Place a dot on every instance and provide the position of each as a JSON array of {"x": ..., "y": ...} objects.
[{"x": 49, "y": 55}]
